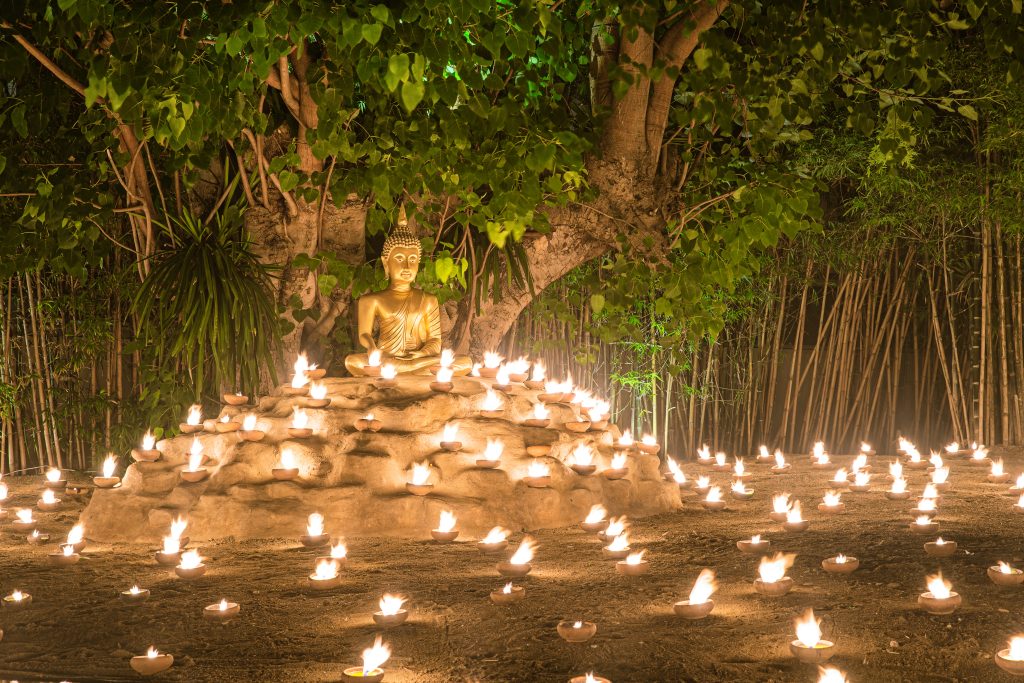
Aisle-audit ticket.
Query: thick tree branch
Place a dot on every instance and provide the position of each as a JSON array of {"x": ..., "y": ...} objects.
[
  {"x": 624, "y": 132},
  {"x": 673, "y": 50}
]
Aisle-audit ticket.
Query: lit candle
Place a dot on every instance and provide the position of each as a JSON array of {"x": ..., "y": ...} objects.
[
  {"x": 315, "y": 536},
  {"x": 772, "y": 579},
  {"x": 616, "y": 526},
  {"x": 648, "y": 444},
  {"x": 1011, "y": 659},
  {"x": 443, "y": 380},
  {"x": 866, "y": 448},
  {"x": 953, "y": 448},
  {"x": 538, "y": 475},
  {"x": 508, "y": 594},
  {"x": 194, "y": 471},
  {"x": 699, "y": 604},
  {"x": 633, "y": 565},
  {"x": 832, "y": 502},
  {"x": 191, "y": 565},
  {"x": 599, "y": 413},
  {"x": 935, "y": 460},
  {"x": 576, "y": 631},
  {"x": 537, "y": 373},
  {"x": 923, "y": 524},
  {"x": 76, "y": 538},
  {"x": 495, "y": 541},
  {"x": 914, "y": 459},
  {"x": 939, "y": 598},
  {"x": 763, "y": 454},
  {"x": 676, "y": 473},
  {"x": 287, "y": 468},
  {"x": 445, "y": 530},
  {"x": 861, "y": 482},
  {"x": 225, "y": 424},
  {"x": 997, "y": 475},
  {"x": 388, "y": 373},
  {"x": 299, "y": 427},
  {"x": 940, "y": 478},
  {"x": 170, "y": 553},
  {"x": 840, "y": 564},
  {"x": 250, "y": 429},
  {"x": 898, "y": 489},
  {"x": 541, "y": 416},
  {"x": 325, "y": 575},
  {"x": 780, "y": 507},
  {"x": 780, "y": 465},
  {"x": 519, "y": 369},
  {"x": 830, "y": 674},
  {"x": 49, "y": 501},
  {"x": 702, "y": 485},
  {"x": 492, "y": 406},
  {"x": 501, "y": 378},
  {"x": 721, "y": 462},
  {"x": 1003, "y": 574},
  {"x": 151, "y": 663},
  {"x": 713, "y": 500},
  {"x": 940, "y": 547},
  {"x": 492, "y": 454},
  {"x": 193, "y": 421},
  {"x": 739, "y": 470},
  {"x": 65, "y": 556},
  {"x": 809, "y": 646},
  {"x": 492, "y": 361},
  {"x": 24, "y": 521},
  {"x": 18, "y": 598},
  {"x": 739, "y": 491},
  {"x": 373, "y": 360},
  {"x": 626, "y": 440},
  {"x": 1018, "y": 485},
  {"x": 317, "y": 396},
  {"x": 618, "y": 549},
  {"x": 979, "y": 456},
  {"x": 519, "y": 563},
  {"x": 581, "y": 460},
  {"x": 107, "y": 479},
  {"x": 418, "y": 484},
  {"x": 450, "y": 437},
  {"x": 704, "y": 454},
  {"x": 222, "y": 611},
  {"x": 754, "y": 544},
  {"x": 619, "y": 467},
  {"x": 391, "y": 613},
  {"x": 596, "y": 519},
  {"x": 819, "y": 456},
  {"x": 373, "y": 658},
  {"x": 135, "y": 595},
  {"x": 794, "y": 518}
]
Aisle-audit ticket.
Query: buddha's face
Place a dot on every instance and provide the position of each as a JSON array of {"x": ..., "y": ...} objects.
[{"x": 403, "y": 264}]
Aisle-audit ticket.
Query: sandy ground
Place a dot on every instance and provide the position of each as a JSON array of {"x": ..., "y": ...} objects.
[{"x": 76, "y": 629}]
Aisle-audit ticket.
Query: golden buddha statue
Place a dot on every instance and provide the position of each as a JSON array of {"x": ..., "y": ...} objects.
[{"x": 407, "y": 320}]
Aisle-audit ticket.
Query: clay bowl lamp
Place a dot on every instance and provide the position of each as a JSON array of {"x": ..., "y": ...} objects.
[
  {"x": 338, "y": 556},
  {"x": 578, "y": 426},
  {"x": 722, "y": 467},
  {"x": 300, "y": 432},
  {"x": 617, "y": 549},
  {"x": 451, "y": 446},
  {"x": 419, "y": 484},
  {"x": 287, "y": 469},
  {"x": 315, "y": 373},
  {"x": 940, "y": 548},
  {"x": 325, "y": 576},
  {"x": 17, "y": 600},
  {"x": 146, "y": 454},
  {"x": 1003, "y": 574},
  {"x": 648, "y": 445},
  {"x": 191, "y": 565},
  {"x": 249, "y": 431},
  {"x": 924, "y": 525},
  {"x": 391, "y": 613},
  {"x": 633, "y": 565},
  {"x": 618, "y": 469},
  {"x": 840, "y": 564},
  {"x": 442, "y": 387},
  {"x": 444, "y": 536},
  {"x": 589, "y": 678},
  {"x": 106, "y": 479},
  {"x": 445, "y": 531},
  {"x": 134, "y": 595},
  {"x": 519, "y": 564},
  {"x": 442, "y": 383},
  {"x": 494, "y": 542},
  {"x": 892, "y": 494},
  {"x": 169, "y": 555},
  {"x": 713, "y": 501},
  {"x": 194, "y": 476},
  {"x": 450, "y": 438},
  {"x": 687, "y": 609},
  {"x": 317, "y": 396},
  {"x": 36, "y": 538},
  {"x": 221, "y": 612},
  {"x": 596, "y": 520},
  {"x": 576, "y": 631},
  {"x": 586, "y": 470},
  {"x": 292, "y": 390},
  {"x": 795, "y": 523},
  {"x": 773, "y": 589},
  {"x": 238, "y": 399},
  {"x": 1011, "y": 659},
  {"x": 226, "y": 425},
  {"x": 189, "y": 428},
  {"x": 368, "y": 424},
  {"x": 24, "y": 522},
  {"x": 49, "y": 502},
  {"x": 740, "y": 492},
  {"x": 537, "y": 421},
  {"x": 754, "y": 544},
  {"x": 315, "y": 536},
  {"x": 538, "y": 475},
  {"x": 809, "y": 648},
  {"x": 508, "y": 594},
  {"x": 538, "y": 450},
  {"x": 151, "y": 663},
  {"x": 65, "y": 557},
  {"x": 939, "y": 599},
  {"x": 418, "y": 489}
]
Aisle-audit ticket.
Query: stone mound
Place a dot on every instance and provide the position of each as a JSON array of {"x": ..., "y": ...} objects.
[{"x": 357, "y": 480}]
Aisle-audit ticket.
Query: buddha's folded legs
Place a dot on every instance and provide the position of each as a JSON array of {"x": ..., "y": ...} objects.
[{"x": 355, "y": 363}]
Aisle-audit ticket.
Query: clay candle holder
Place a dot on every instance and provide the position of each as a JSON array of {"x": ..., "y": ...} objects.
[
  {"x": 317, "y": 396},
  {"x": 764, "y": 456},
  {"x": 107, "y": 480},
  {"x": 772, "y": 580},
  {"x": 576, "y": 631},
  {"x": 338, "y": 556},
  {"x": 147, "y": 452},
  {"x": 538, "y": 475},
  {"x": 325, "y": 576},
  {"x": 702, "y": 486},
  {"x": 675, "y": 473},
  {"x": 65, "y": 557},
  {"x": 939, "y": 599},
  {"x": 391, "y": 613},
  {"x": 518, "y": 369},
  {"x": 537, "y": 377},
  {"x": 492, "y": 363},
  {"x": 170, "y": 554},
  {"x": 861, "y": 483},
  {"x": 519, "y": 564},
  {"x": 226, "y": 425},
  {"x": 739, "y": 471},
  {"x": 54, "y": 480},
  {"x": 595, "y": 520},
  {"x": 250, "y": 430},
  {"x": 443, "y": 381},
  {"x": 151, "y": 663},
  {"x": 418, "y": 485},
  {"x": 370, "y": 671},
  {"x": 313, "y": 372},
  {"x": 17, "y": 600},
  {"x": 581, "y": 460},
  {"x": 940, "y": 548},
  {"x": 368, "y": 424},
  {"x": 1003, "y": 574},
  {"x": 194, "y": 471},
  {"x": 492, "y": 454},
  {"x": 1011, "y": 659},
  {"x": 36, "y": 538},
  {"x": 48, "y": 502},
  {"x": 287, "y": 468},
  {"x": 840, "y": 564},
  {"x": 76, "y": 538},
  {"x": 577, "y": 426},
  {"x": 794, "y": 519},
  {"x": 615, "y": 528},
  {"x": 194, "y": 422},
  {"x": 721, "y": 463},
  {"x": 618, "y": 549},
  {"x": 450, "y": 439},
  {"x": 315, "y": 536},
  {"x": 808, "y": 647},
  {"x": 754, "y": 544},
  {"x": 648, "y": 445},
  {"x": 445, "y": 531},
  {"x": 739, "y": 491},
  {"x": 713, "y": 501},
  {"x": 134, "y": 595},
  {"x": 221, "y": 612},
  {"x": 618, "y": 469},
  {"x": 492, "y": 406},
  {"x": 898, "y": 490},
  {"x": 237, "y": 399},
  {"x": 699, "y": 604},
  {"x": 541, "y": 416},
  {"x": 780, "y": 466},
  {"x": 924, "y": 525},
  {"x": 299, "y": 427},
  {"x": 633, "y": 565},
  {"x": 831, "y": 503},
  {"x": 508, "y": 594},
  {"x": 494, "y": 542},
  {"x": 780, "y": 507},
  {"x": 24, "y": 523},
  {"x": 997, "y": 475},
  {"x": 191, "y": 565},
  {"x": 704, "y": 455}
]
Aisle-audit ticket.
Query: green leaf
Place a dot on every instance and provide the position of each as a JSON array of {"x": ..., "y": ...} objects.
[
  {"x": 259, "y": 27},
  {"x": 371, "y": 33},
  {"x": 381, "y": 13},
  {"x": 967, "y": 111},
  {"x": 234, "y": 44},
  {"x": 18, "y": 120},
  {"x": 597, "y": 302},
  {"x": 289, "y": 180},
  {"x": 326, "y": 283},
  {"x": 398, "y": 71},
  {"x": 444, "y": 267},
  {"x": 701, "y": 57},
  {"x": 412, "y": 94},
  {"x": 96, "y": 89}
]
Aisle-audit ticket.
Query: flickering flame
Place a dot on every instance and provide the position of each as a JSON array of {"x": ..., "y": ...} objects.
[
  {"x": 649, "y": 440},
  {"x": 703, "y": 587},
  {"x": 318, "y": 391},
  {"x": 997, "y": 468},
  {"x": 68, "y": 550},
  {"x": 538, "y": 469},
  {"x": 492, "y": 359},
  {"x": 524, "y": 553},
  {"x": 703, "y": 481},
  {"x": 755, "y": 539},
  {"x": 299, "y": 418},
  {"x": 326, "y": 570},
  {"x": 780, "y": 459},
  {"x": 301, "y": 363},
  {"x": 619, "y": 461},
  {"x": 195, "y": 455},
  {"x": 899, "y": 485},
  {"x": 420, "y": 473},
  {"x": 475, "y": 371},
  {"x": 677, "y": 473},
  {"x": 952, "y": 447},
  {"x": 76, "y": 534},
  {"x": 249, "y": 422},
  {"x": 148, "y": 441},
  {"x": 904, "y": 445},
  {"x": 494, "y": 449},
  {"x": 830, "y": 674},
  {"x": 739, "y": 469},
  {"x": 374, "y": 656},
  {"x": 391, "y": 604},
  {"x": 540, "y": 411},
  {"x": 507, "y": 590},
  {"x": 808, "y": 631},
  {"x": 190, "y": 559},
  {"x": 178, "y": 526},
  {"x": 495, "y": 535},
  {"x": 616, "y": 525},
  {"x": 832, "y": 498},
  {"x": 223, "y": 606},
  {"x": 819, "y": 450},
  {"x": 152, "y": 652},
  {"x": 17, "y": 595},
  {"x": 599, "y": 411},
  {"x": 582, "y": 455},
  {"x": 1020, "y": 501},
  {"x": 822, "y": 459},
  {"x": 373, "y": 360},
  {"x": 109, "y": 465},
  {"x": 225, "y": 418},
  {"x": 620, "y": 542},
  {"x": 935, "y": 459},
  {"x": 704, "y": 452},
  {"x": 895, "y": 469},
  {"x": 53, "y": 475},
  {"x": 773, "y": 569},
  {"x": 49, "y": 498},
  {"x": 941, "y": 474},
  {"x": 720, "y": 458},
  {"x": 388, "y": 371},
  {"x": 840, "y": 559},
  {"x": 339, "y": 551},
  {"x": 626, "y": 440},
  {"x": 315, "y": 524},
  {"x": 195, "y": 415},
  {"x": 862, "y": 478},
  {"x": 4, "y": 492},
  {"x": 597, "y": 514},
  {"x": 1005, "y": 568},
  {"x": 780, "y": 502},
  {"x": 171, "y": 545},
  {"x": 537, "y": 374},
  {"x": 859, "y": 463},
  {"x": 444, "y": 374},
  {"x": 865, "y": 447},
  {"x": 739, "y": 487},
  {"x": 300, "y": 379},
  {"x": 447, "y": 521},
  {"x": 447, "y": 360},
  {"x": 793, "y": 515},
  {"x": 939, "y": 587},
  {"x": 134, "y": 590},
  {"x": 519, "y": 366},
  {"x": 24, "y": 515},
  {"x": 635, "y": 558},
  {"x": 1016, "y": 649},
  {"x": 492, "y": 401},
  {"x": 502, "y": 378},
  {"x": 914, "y": 455},
  {"x": 923, "y": 520},
  {"x": 450, "y": 432},
  {"x": 979, "y": 453},
  {"x": 287, "y": 459},
  {"x": 762, "y": 452},
  {"x": 841, "y": 475}
]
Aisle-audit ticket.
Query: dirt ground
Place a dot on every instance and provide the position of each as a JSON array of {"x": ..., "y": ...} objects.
[{"x": 76, "y": 629}]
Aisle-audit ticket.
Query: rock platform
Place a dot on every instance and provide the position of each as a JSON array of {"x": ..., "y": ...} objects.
[{"x": 357, "y": 480}]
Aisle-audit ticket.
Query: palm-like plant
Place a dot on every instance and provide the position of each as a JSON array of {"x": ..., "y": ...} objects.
[{"x": 208, "y": 302}]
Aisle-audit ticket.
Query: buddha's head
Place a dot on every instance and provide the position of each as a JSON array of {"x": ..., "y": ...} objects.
[{"x": 401, "y": 254}]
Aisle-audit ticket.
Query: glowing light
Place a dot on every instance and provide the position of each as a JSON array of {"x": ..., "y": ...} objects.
[
  {"x": 597, "y": 514},
  {"x": 190, "y": 559},
  {"x": 502, "y": 377},
  {"x": 420, "y": 473},
  {"x": 287, "y": 459},
  {"x": 619, "y": 543},
  {"x": 373, "y": 360},
  {"x": 53, "y": 475},
  {"x": 152, "y": 652},
  {"x": 865, "y": 447},
  {"x": 895, "y": 469},
  {"x": 24, "y": 515},
  {"x": 704, "y": 452},
  {"x": 619, "y": 461},
  {"x": 703, "y": 481},
  {"x": 714, "y": 495},
  {"x": 979, "y": 453},
  {"x": 172, "y": 546},
  {"x": 583, "y": 455},
  {"x": 134, "y": 590},
  {"x": 178, "y": 526},
  {"x": 935, "y": 459},
  {"x": 738, "y": 469},
  {"x": 780, "y": 459},
  {"x": 318, "y": 391},
  {"x": 300, "y": 379},
  {"x": 391, "y": 604},
  {"x": 388, "y": 371},
  {"x": 818, "y": 451},
  {"x": 1005, "y": 568},
  {"x": 519, "y": 366},
  {"x": 49, "y": 498},
  {"x": 793, "y": 515},
  {"x": 148, "y": 441},
  {"x": 923, "y": 520},
  {"x": 830, "y": 674},
  {"x": 494, "y": 449},
  {"x": 447, "y": 359},
  {"x": 635, "y": 558},
  {"x": 720, "y": 459},
  {"x": 840, "y": 559},
  {"x": 898, "y": 486},
  {"x": 339, "y": 551},
  {"x": 740, "y": 488},
  {"x": 374, "y": 656},
  {"x": 1016, "y": 649},
  {"x": 538, "y": 469},
  {"x": 76, "y": 534},
  {"x": 492, "y": 401},
  {"x": 524, "y": 553},
  {"x": 941, "y": 474},
  {"x": 315, "y": 524},
  {"x": 649, "y": 440},
  {"x": 109, "y": 466},
  {"x": 841, "y": 476},
  {"x": 780, "y": 503},
  {"x": 939, "y": 587},
  {"x": 195, "y": 455},
  {"x": 195, "y": 416},
  {"x": 859, "y": 463},
  {"x": 68, "y": 551},
  {"x": 862, "y": 479},
  {"x": 773, "y": 569},
  {"x": 616, "y": 526},
  {"x": 677, "y": 472},
  {"x": 808, "y": 629},
  {"x": 325, "y": 570},
  {"x": 832, "y": 498},
  {"x": 762, "y": 452},
  {"x": 444, "y": 375},
  {"x": 703, "y": 587},
  {"x": 537, "y": 374},
  {"x": 492, "y": 360},
  {"x": 997, "y": 468},
  {"x": 447, "y": 521},
  {"x": 626, "y": 440},
  {"x": 450, "y": 432},
  {"x": 496, "y": 535}
]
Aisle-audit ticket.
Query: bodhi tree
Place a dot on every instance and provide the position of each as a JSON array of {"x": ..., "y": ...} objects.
[{"x": 525, "y": 138}]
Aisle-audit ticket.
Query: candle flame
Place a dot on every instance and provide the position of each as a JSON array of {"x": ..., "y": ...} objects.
[
  {"x": 190, "y": 559},
  {"x": 195, "y": 455},
  {"x": 859, "y": 463},
  {"x": 134, "y": 590},
  {"x": 17, "y": 595},
  {"x": 391, "y": 604},
  {"x": 899, "y": 485},
  {"x": 373, "y": 360},
  {"x": 626, "y": 440},
  {"x": 635, "y": 558},
  {"x": 178, "y": 526},
  {"x": 1016, "y": 648},
  {"x": 677, "y": 472},
  {"x": 832, "y": 498},
  {"x": 755, "y": 539},
  {"x": 540, "y": 411},
  {"x": 904, "y": 445},
  {"x": 703, "y": 481},
  {"x": 780, "y": 502},
  {"x": 148, "y": 441},
  {"x": 537, "y": 374},
  {"x": 714, "y": 494},
  {"x": 450, "y": 432},
  {"x": 739, "y": 469},
  {"x": 703, "y": 587},
  {"x": 582, "y": 454},
  {"x": 507, "y": 590},
  {"x": 76, "y": 534},
  {"x": 374, "y": 656},
  {"x": 926, "y": 505},
  {"x": 938, "y": 586},
  {"x": 914, "y": 454},
  {"x": 841, "y": 475},
  {"x": 935, "y": 459},
  {"x": 152, "y": 652},
  {"x": 597, "y": 514},
  {"x": 109, "y": 465},
  {"x": 195, "y": 415},
  {"x": 619, "y": 461},
  {"x": 923, "y": 520},
  {"x": 619, "y": 543},
  {"x": 780, "y": 459},
  {"x": 492, "y": 401},
  {"x": 865, "y": 447},
  {"x": 930, "y": 491},
  {"x": 444, "y": 374},
  {"x": 287, "y": 459},
  {"x": 862, "y": 478},
  {"x": 447, "y": 359},
  {"x": 447, "y": 521},
  {"x": 808, "y": 629},
  {"x": 997, "y": 467},
  {"x": 299, "y": 418},
  {"x": 616, "y": 525},
  {"x": 494, "y": 449},
  {"x": 495, "y": 535},
  {"x": 501, "y": 378},
  {"x": 720, "y": 458},
  {"x": 979, "y": 453},
  {"x": 762, "y": 451},
  {"x": 420, "y": 473},
  {"x": 773, "y": 569},
  {"x": 940, "y": 541},
  {"x": 318, "y": 391},
  {"x": 538, "y": 469},
  {"x": 49, "y": 498},
  {"x": 793, "y": 515},
  {"x": 1018, "y": 483},
  {"x": 492, "y": 359},
  {"x": 223, "y": 606},
  {"x": 739, "y": 487},
  {"x": 524, "y": 553},
  {"x": 895, "y": 469},
  {"x": 53, "y": 475},
  {"x": 940, "y": 475},
  {"x": 388, "y": 371},
  {"x": 326, "y": 570},
  {"x": 818, "y": 451},
  {"x": 315, "y": 524},
  {"x": 649, "y": 440},
  {"x": 704, "y": 452},
  {"x": 171, "y": 545},
  {"x": 24, "y": 515},
  {"x": 830, "y": 674},
  {"x": 339, "y": 551},
  {"x": 1005, "y": 568},
  {"x": 599, "y": 411},
  {"x": 249, "y": 422},
  {"x": 68, "y": 550},
  {"x": 840, "y": 559}
]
